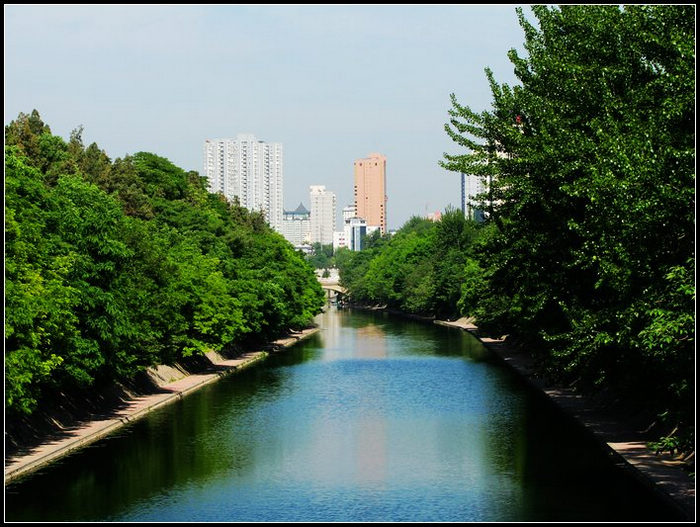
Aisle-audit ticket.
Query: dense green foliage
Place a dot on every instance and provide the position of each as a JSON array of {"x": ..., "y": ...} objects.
[
  {"x": 590, "y": 258},
  {"x": 587, "y": 255},
  {"x": 111, "y": 267},
  {"x": 321, "y": 256},
  {"x": 418, "y": 270}
]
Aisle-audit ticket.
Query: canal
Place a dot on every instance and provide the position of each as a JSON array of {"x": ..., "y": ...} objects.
[{"x": 375, "y": 418}]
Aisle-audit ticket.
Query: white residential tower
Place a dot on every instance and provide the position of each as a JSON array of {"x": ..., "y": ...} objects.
[
  {"x": 248, "y": 169},
  {"x": 322, "y": 214}
]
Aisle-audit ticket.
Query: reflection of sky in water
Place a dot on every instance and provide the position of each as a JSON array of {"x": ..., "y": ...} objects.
[
  {"x": 375, "y": 419},
  {"x": 371, "y": 451}
]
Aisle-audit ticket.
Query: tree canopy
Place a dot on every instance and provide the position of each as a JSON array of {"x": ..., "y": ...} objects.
[
  {"x": 418, "y": 270},
  {"x": 114, "y": 266},
  {"x": 591, "y": 158},
  {"x": 587, "y": 254}
]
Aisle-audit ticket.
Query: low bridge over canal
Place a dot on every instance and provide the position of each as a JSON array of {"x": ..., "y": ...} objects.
[{"x": 332, "y": 286}]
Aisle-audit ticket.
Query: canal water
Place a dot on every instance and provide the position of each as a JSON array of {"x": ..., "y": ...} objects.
[{"x": 375, "y": 418}]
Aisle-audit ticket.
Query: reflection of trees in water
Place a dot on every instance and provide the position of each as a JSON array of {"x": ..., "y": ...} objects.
[
  {"x": 458, "y": 342},
  {"x": 309, "y": 349},
  {"x": 410, "y": 336},
  {"x": 207, "y": 435},
  {"x": 469, "y": 429},
  {"x": 563, "y": 474}
]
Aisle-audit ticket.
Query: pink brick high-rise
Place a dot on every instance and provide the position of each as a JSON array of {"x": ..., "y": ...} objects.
[{"x": 370, "y": 190}]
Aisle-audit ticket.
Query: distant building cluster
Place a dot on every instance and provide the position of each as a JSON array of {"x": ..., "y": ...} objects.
[{"x": 251, "y": 171}]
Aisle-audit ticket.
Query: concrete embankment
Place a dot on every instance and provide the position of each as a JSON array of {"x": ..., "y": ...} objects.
[
  {"x": 664, "y": 475},
  {"x": 174, "y": 384}
]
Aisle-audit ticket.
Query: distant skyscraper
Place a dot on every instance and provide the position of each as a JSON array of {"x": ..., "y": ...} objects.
[
  {"x": 472, "y": 187},
  {"x": 370, "y": 190},
  {"x": 296, "y": 225},
  {"x": 322, "y": 214},
  {"x": 249, "y": 169}
]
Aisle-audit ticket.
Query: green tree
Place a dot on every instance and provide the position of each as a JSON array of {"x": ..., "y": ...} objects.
[
  {"x": 24, "y": 133},
  {"x": 591, "y": 161},
  {"x": 39, "y": 304},
  {"x": 112, "y": 267},
  {"x": 418, "y": 270},
  {"x": 321, "y": 256}
]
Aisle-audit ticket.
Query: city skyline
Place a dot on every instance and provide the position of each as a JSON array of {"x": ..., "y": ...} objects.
[{"x": 328, "y": 82}]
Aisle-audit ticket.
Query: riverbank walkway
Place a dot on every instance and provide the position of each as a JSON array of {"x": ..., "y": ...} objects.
[
  {"x": 86, "y": 432},
  {"x": 663, "y": 474}
]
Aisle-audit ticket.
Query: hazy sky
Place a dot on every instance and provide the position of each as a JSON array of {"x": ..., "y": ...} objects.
[{"x": 331, "y": 83}]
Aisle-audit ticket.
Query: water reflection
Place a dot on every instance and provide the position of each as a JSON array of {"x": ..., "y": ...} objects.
[
  {"x": 370, "y": 342},
  {"x": 374, "y": 418}
]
